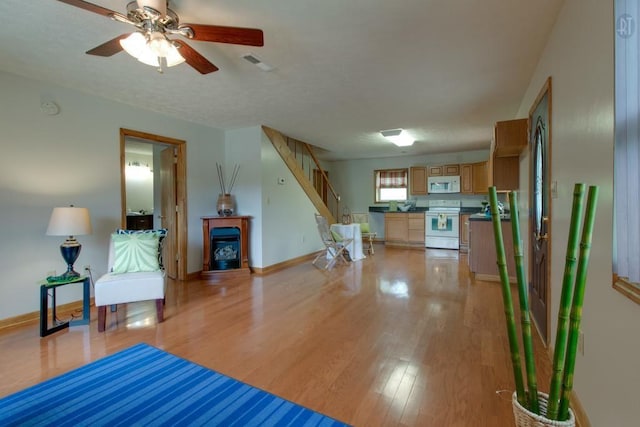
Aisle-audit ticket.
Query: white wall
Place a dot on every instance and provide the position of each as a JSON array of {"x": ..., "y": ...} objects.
[
  {"x": 282, "y": 224},
  {"x": 74, "y": 158},
  {"x": 579, "y": 58},
  {"x": 288, "y": 222},
  {"x": 243, "y": 149}
]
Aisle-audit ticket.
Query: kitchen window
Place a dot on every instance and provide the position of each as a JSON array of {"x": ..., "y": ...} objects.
[
  {"x": 391, "y": 184},
  {"x": 626, "y": 236}
]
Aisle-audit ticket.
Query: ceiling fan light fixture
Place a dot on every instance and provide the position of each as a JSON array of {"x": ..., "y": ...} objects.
[
  {"x": 158, "y": 44},
  {"x": 398, "y": 136},
  {"x": 173, "y": 56},
  {"x": 148, "y": 57},
  {"x": 134, "y": 44}
]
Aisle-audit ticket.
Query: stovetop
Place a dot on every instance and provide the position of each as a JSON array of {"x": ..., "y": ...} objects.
[{"x": 444, "y": 205}]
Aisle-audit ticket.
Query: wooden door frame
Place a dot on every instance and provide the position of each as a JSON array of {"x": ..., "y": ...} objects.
[
  {"x": 181, "y": 189},
  {"x": 545, "y": 90}
]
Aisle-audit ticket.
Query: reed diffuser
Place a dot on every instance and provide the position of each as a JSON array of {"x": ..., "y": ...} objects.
[{"x": 225, "y": 205}]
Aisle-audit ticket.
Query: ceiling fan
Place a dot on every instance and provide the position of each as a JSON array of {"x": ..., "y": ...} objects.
[{"x": 150, "y": 44}]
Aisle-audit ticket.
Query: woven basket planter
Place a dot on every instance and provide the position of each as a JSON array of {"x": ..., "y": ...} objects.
[{"x": 525, "y": 418}]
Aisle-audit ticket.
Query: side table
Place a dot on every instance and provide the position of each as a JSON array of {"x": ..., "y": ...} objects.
[{"x": 44, "y": 305}]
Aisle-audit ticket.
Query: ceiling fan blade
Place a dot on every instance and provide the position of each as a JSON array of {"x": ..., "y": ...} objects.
[
  {"x": 194, "y": 59},
  {"x": 109, "y": 48},
  {"x": 232, "y": 35},
  {"x": 90, "y": 7}
]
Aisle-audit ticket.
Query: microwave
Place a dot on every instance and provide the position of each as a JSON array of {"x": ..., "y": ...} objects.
[{"x": 443, "y": 184}]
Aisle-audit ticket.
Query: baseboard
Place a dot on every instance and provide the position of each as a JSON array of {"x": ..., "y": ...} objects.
[
  {"x": 285, "y": 264},
  {"x": 491, "y": 277},
  {"x": 34, "y": 317},
  {"x": 197, "y": 275}
]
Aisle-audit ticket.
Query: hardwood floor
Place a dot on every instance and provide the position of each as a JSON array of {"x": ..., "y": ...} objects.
[{"x": 402, "y": 338}]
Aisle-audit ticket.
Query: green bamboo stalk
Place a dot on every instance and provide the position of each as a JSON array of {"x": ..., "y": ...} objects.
[
  {"x": 564, "y": 310},
  {"x": 506, "y": 298},
  {"x": 576, "y": 307},
  {"x": 525, "y": 320}
]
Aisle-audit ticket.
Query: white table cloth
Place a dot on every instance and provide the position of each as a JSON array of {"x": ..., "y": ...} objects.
[{"x": 351, "y": 231}]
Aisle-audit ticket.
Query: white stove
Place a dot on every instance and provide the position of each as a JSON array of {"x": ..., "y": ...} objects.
[{"x": 442, "y": 224}]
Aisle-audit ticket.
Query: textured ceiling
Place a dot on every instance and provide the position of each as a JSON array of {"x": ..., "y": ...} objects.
[{"x": 445, "y": 70}]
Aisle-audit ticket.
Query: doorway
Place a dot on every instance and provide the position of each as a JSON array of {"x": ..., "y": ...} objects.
[
  {"x": 540, "y": 202},
  {"x": 165, "y": 165}
]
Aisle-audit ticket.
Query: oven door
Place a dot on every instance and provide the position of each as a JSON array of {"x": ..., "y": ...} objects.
[{"x": 442, "y": 224}]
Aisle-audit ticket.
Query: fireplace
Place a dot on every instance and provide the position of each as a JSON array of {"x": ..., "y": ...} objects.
[{"x": 226, "y": 246}]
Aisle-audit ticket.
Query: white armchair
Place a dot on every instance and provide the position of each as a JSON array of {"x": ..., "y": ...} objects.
[{"x": 137, "y": 278}]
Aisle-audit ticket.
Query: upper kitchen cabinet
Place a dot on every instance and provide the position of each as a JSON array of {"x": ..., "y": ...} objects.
[
  {"x": 474, "y": 178},
  {"x": 418, "y": 181},
  {"x": 444, "y": 170},
  {"x": 510, "y": 138}
]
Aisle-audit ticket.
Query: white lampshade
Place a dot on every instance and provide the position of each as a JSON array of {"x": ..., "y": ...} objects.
[
  {"x": 134, "y": 44},
  {"x": 69, "y": 221},
  {"x": 174, "y": 57},
  {"x": 148, "y": 57},
  {"x": 159, "y": 44}
]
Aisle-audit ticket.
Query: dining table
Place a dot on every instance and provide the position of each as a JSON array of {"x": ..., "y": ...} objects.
[{"x": 351, "y": 231}]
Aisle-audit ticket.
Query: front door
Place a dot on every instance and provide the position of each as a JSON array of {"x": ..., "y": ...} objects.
[{"x": 539, "y": 122}]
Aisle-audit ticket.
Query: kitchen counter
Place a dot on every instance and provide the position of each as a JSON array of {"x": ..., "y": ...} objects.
[
  {"x": 483, "y": 217},
  {"x": 385, "y": 209}
]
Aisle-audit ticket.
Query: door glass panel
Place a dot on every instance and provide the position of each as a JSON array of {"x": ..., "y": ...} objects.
[{"x": 538, "y": 178}]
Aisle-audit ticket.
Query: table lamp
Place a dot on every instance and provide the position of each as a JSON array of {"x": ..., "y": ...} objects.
[{"x": 69, "y": 221}]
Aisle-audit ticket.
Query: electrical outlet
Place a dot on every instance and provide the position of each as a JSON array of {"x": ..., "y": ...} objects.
[{"x": 87, "y": 268}]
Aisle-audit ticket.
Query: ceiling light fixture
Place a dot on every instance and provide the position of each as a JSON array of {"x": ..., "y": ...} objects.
[
  {"x": 151, "y": 48},
  {"x": 398, "y": 136}
]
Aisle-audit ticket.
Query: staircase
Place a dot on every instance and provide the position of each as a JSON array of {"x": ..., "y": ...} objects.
[{"x": 306, "y": 168}]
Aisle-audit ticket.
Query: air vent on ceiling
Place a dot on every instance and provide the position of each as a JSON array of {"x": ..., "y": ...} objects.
[{"x": 250, "y": 57}]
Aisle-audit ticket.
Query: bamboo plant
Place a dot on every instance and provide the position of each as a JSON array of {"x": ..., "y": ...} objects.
[
  {"x": 562, "y": 330},
  {"x": 578, "y": 299},
  {"x": 507, "y": 299},
  {"x": 570, "y": 311},
  {"x": 525, "y": 320}
]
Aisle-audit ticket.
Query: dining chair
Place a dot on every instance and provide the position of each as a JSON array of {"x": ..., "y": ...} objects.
[
  {"x": 335, "y": 245},
  {"x": 365, "y": 229}
]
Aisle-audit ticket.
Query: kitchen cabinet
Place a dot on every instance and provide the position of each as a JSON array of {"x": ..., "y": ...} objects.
[
  {"x": 464, "y": 232},
  {"x": 404, "y": 229},
  {"x": 510, "y": 139},
  {"x": 435, "y": 171},
  {"x": 480, "y": 179},
  {"x": 418, "y": 181},
  {"x": 444, "y": 170},
  {"x": 416, "y": 229},
  {"x": 466, "y": 178},
  {"x": 482, "y": 249},
  {"x": 451, "y": 170},
  {"x": 506, "y": 173},
  {"x": 474, "y": 178}
]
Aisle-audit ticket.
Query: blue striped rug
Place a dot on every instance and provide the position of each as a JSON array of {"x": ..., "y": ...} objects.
[{"x": 145, "y": 386}]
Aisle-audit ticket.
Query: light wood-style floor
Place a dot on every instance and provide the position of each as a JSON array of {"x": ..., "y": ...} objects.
[{"x": 402, "y": 338}]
